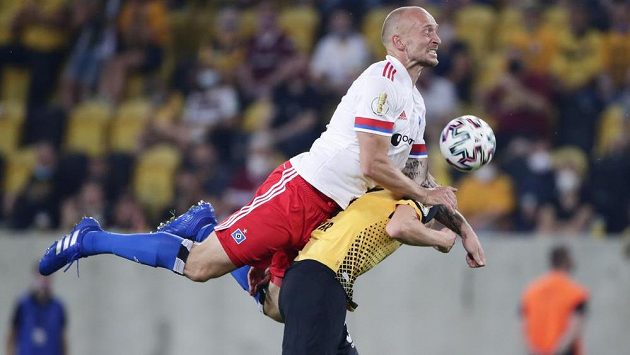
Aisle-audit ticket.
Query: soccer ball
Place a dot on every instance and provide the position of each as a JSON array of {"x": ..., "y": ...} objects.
[{"x": 467, "y": 143}]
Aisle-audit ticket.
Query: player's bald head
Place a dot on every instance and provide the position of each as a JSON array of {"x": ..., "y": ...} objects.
[{"x": 401, "y": 20}]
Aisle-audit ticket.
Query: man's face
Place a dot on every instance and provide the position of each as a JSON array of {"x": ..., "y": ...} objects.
[{"x": 422, "y": 40}]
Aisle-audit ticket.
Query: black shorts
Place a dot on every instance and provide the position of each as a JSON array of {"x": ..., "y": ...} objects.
[{"x": 313, "y": 306}]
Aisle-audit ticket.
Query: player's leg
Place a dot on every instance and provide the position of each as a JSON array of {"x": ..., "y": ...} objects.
[
  {"x": 160, "y": 249},
  {"x": 313, "y": 306},
  {"x": 87, "y": 238}
]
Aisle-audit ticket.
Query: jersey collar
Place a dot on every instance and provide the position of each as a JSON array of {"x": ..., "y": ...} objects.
[{"x": 401, "y": 71}]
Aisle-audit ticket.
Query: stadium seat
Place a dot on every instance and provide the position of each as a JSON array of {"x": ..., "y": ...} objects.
[
  {"x": 15, "y": 84},
  {"x": 128, "y": 124},
  {"x": 610, "y": 130},
  {"x": 300, "y": 23},
  {"x": 509, "y": 23},
  {"x": 87, "y": 129},
  {"x": 257, "y": 115},
  {"x": 371, "y": 29},
  {"x": 11, "y": 118},
  {"x": 154, "y": 175},
  {"x": 556, "y": 18},
  {"x": 474, "y": 25},
  {"x": 19, "y": 166}
]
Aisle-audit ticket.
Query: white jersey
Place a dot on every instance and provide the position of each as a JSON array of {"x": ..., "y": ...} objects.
[{"x": 384, "y": 101}]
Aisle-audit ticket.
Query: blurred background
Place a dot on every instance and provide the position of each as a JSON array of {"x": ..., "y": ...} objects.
[{"x": 131, "y": 110}]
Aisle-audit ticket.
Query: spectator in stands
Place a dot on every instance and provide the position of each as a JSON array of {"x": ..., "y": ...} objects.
[
  {"x": 269, "y": 57},
  {"x": 261, "y": 159},
  {"x": 143, "y": 32},
  {"x": 294, "y": 124},
  {"x": 486, "y": 197},
  {"x": 458, "y": 68},
  {"x": 520, "y": 104},
  {"x": 212, "y": 102},
  {"x": 440, "y": 97},
  {"x": 535, "y": 43},
  {"x": 225, "y": 48},
  {"x": 128, "y": 215},
  {"x": 530, "y": 165},
  {"x": 339, "y": 56},
  {"x": 38, "y": 324},
  {"x": 38, "y": 202},
  {"x": 214, "y": 175},
  {"x": 96, "y": 42},
  {"x": 39, "y": 36},
  {"x": 570, "y": 211},
  {"x": 89, "y": 202},
  {"x": 610, "y": 189},
  {"x": 553, "y": 309},
  {"x": 577, "y": 64}
]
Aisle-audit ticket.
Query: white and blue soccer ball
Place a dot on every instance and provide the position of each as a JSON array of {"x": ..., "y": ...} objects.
[{"x": 467, "y": 143}]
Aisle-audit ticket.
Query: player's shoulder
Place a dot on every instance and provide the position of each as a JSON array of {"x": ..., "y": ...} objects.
[{"x": 383, "y": 72}]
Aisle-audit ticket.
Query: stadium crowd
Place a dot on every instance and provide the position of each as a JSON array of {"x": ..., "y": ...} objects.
[{"x": 130, "y": 110}]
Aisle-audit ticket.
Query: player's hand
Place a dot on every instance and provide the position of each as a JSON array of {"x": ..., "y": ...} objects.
[
  {"x": 441, "y": 195},
  {"x": 257, "y": 278},
  {"x": 449, "y": 240},
  {"x": 474, "y": 252}
]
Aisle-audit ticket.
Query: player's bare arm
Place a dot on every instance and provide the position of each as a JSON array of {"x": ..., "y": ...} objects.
[
  {"x": 454, "y": 221},
  {"x": 407, "y": 228},
  {"x": 376, "y": 165}
]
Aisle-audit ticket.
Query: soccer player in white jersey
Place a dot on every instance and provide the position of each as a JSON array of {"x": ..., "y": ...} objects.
[{"x": 376, "y": 131}]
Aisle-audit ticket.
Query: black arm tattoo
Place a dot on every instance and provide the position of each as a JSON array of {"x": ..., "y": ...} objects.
[
  {"x": 417, "y": 170},
  {"x": 450, "y": 220},
  {"x": 411, "y": 168}
]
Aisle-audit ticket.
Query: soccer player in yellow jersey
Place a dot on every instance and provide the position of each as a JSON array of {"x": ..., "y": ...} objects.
[{"x": 317, "y": 288}]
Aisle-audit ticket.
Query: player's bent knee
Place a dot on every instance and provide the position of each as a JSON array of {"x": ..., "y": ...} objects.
[{"x": 207, "y": 261}]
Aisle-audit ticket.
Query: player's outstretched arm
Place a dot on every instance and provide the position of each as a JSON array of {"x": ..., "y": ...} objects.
[
  {"x": 456, "y": 222},
  {"x": 376, "y": 165},
  {"x": 406, "y": 227}
]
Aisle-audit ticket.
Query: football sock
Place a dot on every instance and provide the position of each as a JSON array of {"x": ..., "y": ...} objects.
[
  {"x": 240, "y": 275},
  {"x": 158, "y": 249}
]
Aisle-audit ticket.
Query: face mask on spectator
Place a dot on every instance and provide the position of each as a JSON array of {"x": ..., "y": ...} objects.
[
  {"x": 258, "y": 165},
  {"x": 486, "y": 174},
  {"x": 207, "y": 78},
  {"x": 567, "y": 180},
  {"x": 539, "y": 162}
]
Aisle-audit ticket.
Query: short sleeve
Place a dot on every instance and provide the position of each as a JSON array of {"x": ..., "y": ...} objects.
[
  {"x": 376, "y": 107},
  {"x": 418, "y": 150}
]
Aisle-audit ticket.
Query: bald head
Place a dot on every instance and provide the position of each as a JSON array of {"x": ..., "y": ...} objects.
[{"x": 400, "y": 21}]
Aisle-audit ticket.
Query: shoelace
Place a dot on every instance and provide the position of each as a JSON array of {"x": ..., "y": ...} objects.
[{"x": 73, "y": 258}]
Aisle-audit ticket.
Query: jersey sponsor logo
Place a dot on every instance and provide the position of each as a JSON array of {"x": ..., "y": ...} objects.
[
  {"x": 397, "y": 138},
  {"x": 389, "y": 71},
  {"x": 379, "y": 104},
  {"x": 238, "y": 236}
]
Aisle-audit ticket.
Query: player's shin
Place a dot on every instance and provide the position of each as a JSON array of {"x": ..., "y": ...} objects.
[{"x": 158, "y": 249}]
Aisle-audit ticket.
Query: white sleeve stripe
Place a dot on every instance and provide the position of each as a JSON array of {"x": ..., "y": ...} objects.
[{"x": 380, "y": 133}]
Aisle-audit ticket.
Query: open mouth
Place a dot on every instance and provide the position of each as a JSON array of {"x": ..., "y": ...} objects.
[{"x": 433, "y": 51}]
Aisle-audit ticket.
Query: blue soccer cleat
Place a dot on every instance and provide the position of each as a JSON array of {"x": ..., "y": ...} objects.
[
  {"x": 188, "y": 224},
  {"x": 67, "y": 249}
]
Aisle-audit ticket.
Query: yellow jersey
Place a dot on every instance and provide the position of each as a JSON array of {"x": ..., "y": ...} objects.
[{"x": 355, "y": 240}]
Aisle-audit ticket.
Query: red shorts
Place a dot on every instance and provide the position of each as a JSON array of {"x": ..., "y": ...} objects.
[{"x": 280, "y": 217}]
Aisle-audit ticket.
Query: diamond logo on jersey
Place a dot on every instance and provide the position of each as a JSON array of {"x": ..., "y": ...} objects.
[
  {"x": 379, "y": 104},
  {"x": 403, "y": 116},
  {"x": 238, "y": 236}
]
